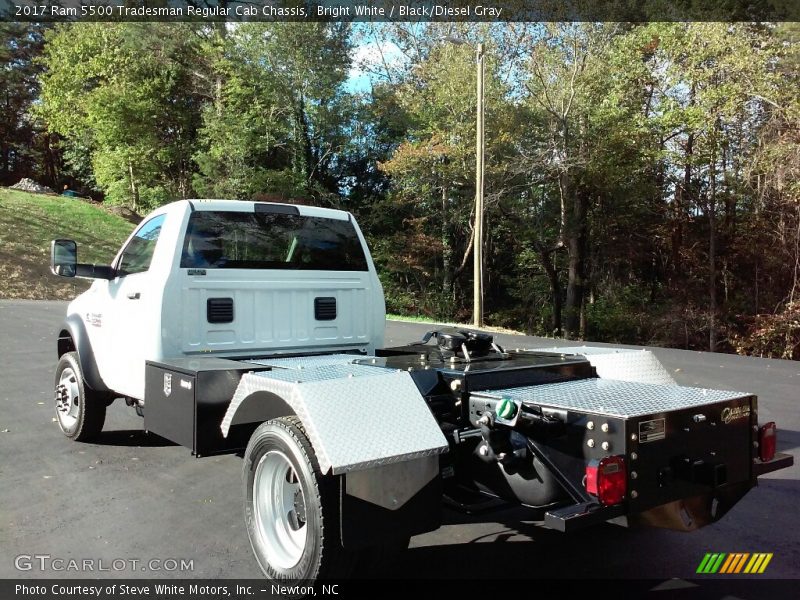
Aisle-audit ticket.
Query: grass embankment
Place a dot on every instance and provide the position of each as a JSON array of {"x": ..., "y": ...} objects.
[{"x": 27, "y": 224}]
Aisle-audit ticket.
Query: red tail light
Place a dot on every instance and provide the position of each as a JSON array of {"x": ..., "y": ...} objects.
[
  {"x": 607, "y": 479},
  {"x": 767, "y": 437}
]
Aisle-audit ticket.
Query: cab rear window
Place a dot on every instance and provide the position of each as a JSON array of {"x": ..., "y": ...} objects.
[{"x": 239, "y": 240}]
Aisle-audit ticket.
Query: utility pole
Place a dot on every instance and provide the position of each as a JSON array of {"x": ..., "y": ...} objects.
[
  {"x": 477, "y": 249},
  {"x": 480, "y": 145}
]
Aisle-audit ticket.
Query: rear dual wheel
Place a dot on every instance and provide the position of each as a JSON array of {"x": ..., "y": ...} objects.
[{"x": 292, "y": 510}]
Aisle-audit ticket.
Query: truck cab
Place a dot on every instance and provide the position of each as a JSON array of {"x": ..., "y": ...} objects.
[{"x": 230, "y": 279}]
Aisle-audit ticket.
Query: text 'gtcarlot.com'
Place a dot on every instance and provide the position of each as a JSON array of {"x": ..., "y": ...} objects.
[{"x": 47, "y": 562}]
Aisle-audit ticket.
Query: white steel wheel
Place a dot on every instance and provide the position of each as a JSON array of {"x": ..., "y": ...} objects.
[
  {"x": 291, "y": 509},
  {"x": 68, "y": 399},
  {"x": 80, "y": 410},
  {"x": 280, "y": 510}
]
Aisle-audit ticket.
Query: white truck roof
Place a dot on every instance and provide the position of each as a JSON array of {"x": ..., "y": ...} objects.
[{"x": 249, "y": 206}]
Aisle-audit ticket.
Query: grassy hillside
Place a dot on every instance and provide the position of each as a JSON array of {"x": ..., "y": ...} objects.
[{"x": 27, "y": 224}]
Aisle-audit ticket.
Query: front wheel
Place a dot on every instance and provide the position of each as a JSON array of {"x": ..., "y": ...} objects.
[
  {"x": 291, "y": 509},
  {"x": 80, "y": 411}
]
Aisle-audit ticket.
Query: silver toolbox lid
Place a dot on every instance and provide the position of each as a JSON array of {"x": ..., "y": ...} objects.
[{"x": 613, "y": 398}]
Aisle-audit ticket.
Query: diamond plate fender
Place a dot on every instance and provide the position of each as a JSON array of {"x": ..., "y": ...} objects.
[
  {"x": 356, "y": 417},
  {"x": 621, "y": 364}
]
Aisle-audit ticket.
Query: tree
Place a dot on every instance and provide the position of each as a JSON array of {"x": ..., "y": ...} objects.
[
  {"x": 276, "y": 124},
  {"x": 433, "y": 169},
  {"x": 24, "y": 148},
  {"x": 118, "y": 91}
]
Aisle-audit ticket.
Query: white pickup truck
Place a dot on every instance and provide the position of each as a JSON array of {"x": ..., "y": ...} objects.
[{"x": 258, "y": 328}]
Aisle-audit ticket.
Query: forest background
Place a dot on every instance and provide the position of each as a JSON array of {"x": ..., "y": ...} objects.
[{"x": 642, "y": 180}]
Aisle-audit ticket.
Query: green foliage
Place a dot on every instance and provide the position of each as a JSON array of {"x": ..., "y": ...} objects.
[
  {"x": 773, "y": 336},
  {"x": 118, "y": 91},
  {"x": 641, "y": 179},
  {"x": 23, "y": 143},
  {"x": 274, "y": 125}
]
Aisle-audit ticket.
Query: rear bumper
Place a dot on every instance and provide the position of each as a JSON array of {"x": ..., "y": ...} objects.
[
  {"x": 578, "y": 516},
  {"x": 781, "y": 461},
  {"x": 685, "y": 515}
]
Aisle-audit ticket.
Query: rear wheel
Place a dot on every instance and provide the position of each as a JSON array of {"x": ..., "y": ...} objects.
[
  {"x": 291, "y": 509},
  {"x": 80, "y": 411}
]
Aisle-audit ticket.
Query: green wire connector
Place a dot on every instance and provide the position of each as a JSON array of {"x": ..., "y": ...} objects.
[{"x": 506, "y": 409}]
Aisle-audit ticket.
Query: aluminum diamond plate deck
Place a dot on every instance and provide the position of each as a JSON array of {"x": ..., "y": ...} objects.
[
  {"x": 614, "y": 398},
  {"x": 353, "y": 423},
  {"x": 323, "y": 373},
  {"x": 309, "y": 362},
  {"x": 622, "y": 364}
]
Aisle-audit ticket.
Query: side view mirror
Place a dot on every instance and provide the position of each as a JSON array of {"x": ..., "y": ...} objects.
[
  {"x": 64, "y": 258},
  {"x": 64, "y": 262}
]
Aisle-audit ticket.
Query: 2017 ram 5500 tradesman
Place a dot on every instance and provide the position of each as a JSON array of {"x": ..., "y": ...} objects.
[{"x": 243, "y": 326}]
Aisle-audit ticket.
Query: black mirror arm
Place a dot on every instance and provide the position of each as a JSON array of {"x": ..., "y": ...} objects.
[{"x": 88, "y": 271}]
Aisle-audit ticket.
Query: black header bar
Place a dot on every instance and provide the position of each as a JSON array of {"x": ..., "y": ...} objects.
[{"x": 398, "y": 10}]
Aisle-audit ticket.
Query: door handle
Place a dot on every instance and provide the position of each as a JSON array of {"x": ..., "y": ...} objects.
[{"x": 134, "y": 295}]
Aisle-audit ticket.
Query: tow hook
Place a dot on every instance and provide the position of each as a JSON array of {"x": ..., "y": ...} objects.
[{"x": 495, "y": 445}]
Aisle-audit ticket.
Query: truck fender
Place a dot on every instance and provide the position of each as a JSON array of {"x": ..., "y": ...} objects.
[
  {"x": 372, "y": 428},
  {"x": 353, "y": 422},
  {"x": 73, "y": 336},
  {"x": 256, "y": 408}
]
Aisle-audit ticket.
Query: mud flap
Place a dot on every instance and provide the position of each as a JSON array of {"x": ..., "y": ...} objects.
[{"x": 392, "y": 502}]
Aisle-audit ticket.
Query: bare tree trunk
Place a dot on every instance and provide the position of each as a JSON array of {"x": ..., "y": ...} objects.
[
  {"x": 712, "y": 256},
  {"x": 447, "y": 246},
  {"x": 546, "y": 257},
  {"x": 796, "y": 270},
  {"x": 49, "y": 162},
  {"x": 222, "y": 34},
  {"x": 682, "y": 199},
  {"x": 583, "y": 316},
  {"x": 134, "y": 188},
  {"x": 304, "y": 158},
  {"x": 576, "y": 278},
  {"x": 221, "y": 30}
]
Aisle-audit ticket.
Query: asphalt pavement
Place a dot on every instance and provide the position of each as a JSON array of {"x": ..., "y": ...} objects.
[{"x": 134, "y": 497}]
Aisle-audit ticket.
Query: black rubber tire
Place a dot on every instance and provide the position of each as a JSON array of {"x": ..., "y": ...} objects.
[
  {"x": 323, "y": 556},
  {"x": 91, "y": 404}
]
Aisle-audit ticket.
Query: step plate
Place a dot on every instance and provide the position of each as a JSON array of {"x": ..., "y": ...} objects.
[
  {"x": 300, "y": 363},
  {"x": 613, "y": 398}
]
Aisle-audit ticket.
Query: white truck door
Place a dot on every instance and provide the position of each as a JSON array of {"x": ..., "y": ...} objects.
[{"x": 132, "y": 317}]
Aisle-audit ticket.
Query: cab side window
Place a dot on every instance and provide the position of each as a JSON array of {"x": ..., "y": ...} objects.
[{"x": 138, "y": 253}]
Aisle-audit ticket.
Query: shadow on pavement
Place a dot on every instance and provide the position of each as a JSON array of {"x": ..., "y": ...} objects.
[
  {"x": 132, "y": 437},
  {"x": 510, "y": 547},
  {"x": 788, "y": 440}
]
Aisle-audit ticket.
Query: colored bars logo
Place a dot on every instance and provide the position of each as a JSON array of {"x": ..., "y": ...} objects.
[{"x": 736, "y": 562}]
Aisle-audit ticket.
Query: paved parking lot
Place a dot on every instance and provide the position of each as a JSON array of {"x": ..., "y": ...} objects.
[{"x": 133, "y": 496}]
